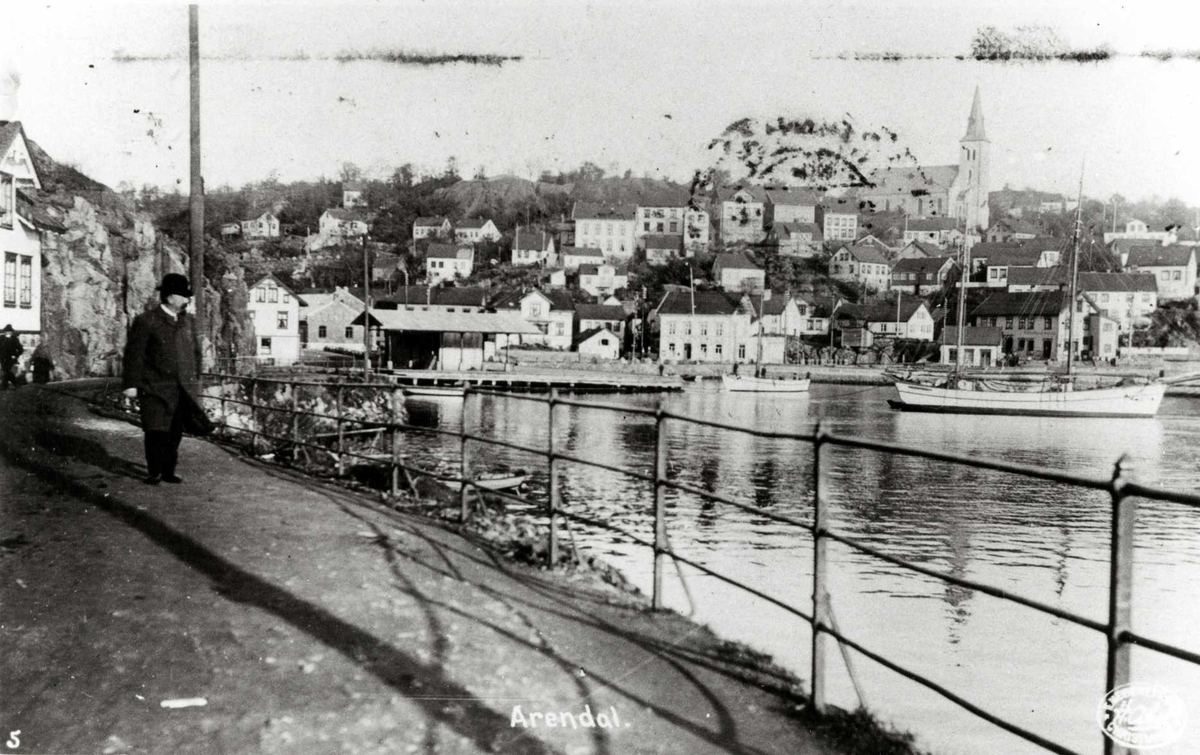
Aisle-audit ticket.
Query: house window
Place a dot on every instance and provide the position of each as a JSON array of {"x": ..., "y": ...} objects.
[
  {"x": 26, "y": 281},
  {"x": 1047, "y": 324},
  {"x": 272, "y": 294},
  {"x": 608, "y": 228},
  {"x": 703, "y": 328},
  {"x": 285, "y": 298},
  {"x": 671, "y": 347},
  {"x": 718, "y": 351},
  {"x": 6, "y": 201},
  {"x": 322, "y": 331},
  {"x": 260, "y": 294},
  {"x": 559, "y": 329},
  {"x": 1177, "y": 275},
  {"x": 704, "y": 349},
  {"x": 264, "y": 346},
  {"x": 671, "y": 328},
  {"x": 282, "y": 321},
  {"x": 687, "y": 328},
  {"x": 535, "y": 309},
  {"x": 10, "y": 279},
  {"x": 646, "y": 227},
  {"x": 741, "y": 351},
  {"x": 720, "y": 328}
]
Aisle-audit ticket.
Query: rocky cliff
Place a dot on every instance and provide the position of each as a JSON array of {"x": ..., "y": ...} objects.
[{"x": 101, "y": 263}]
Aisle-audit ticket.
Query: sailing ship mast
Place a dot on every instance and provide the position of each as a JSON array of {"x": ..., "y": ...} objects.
[
  {"x": 1074, "y": 277},
  {"x": 963, "y": 276}
]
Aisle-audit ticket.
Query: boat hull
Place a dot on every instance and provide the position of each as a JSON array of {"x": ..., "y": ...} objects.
[
  {"x": 741, "y": 384},
  {"x": 1123, "y": 401},
  {"x": 431, "y": 392}
]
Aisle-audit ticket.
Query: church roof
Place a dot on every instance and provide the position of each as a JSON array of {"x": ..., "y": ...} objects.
[
  {"x": 905, "y": 180},
  {"x": 975, "y": 121}
]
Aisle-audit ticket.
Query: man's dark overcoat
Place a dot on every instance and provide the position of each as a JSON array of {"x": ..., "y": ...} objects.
[{"x": 161, "y": 357}]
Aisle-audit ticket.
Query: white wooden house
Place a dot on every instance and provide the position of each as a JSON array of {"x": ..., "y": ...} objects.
[{"x": 275, "y": 311}]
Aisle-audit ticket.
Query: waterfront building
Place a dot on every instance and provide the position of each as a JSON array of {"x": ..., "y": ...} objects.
[
  {"x": 741, "y": 213},
  {"x": 533, "y": 248},
  {"x": 445, "y": 340},
  {"x": 551, "y": 313},
  {"x": 981, "y": 346},
  {"x": 446, "y": 264},
  {"x": 1128, "y": 298},
  {"x": 431, "y": 227},
  {"x": 275, "y": 312},
  {"x": 909, "y": 318},
  {"x": 602, "y": 280},
  {"x": 1173, "y": 266},
  {"x": 436, "y": 299},
  {"x": 476, "y": 230},
  {"x": 735, "y": 271},
  {"x": 265, "y": 226},
  {"x": 574, "y": 256},
  {"x": 598, "y": 343},
  {"x": 611, "y": 228},
  {"x": 327, "y": 324},
  {"x": 922, "y": 276},
  {"x": 815, "y": 313},
  {"x": 862, "y": 263},
  {"x": 957, "y": 191},
  {"x": 1034, "y": 325},
  {"x": 780, "y": 314},
  {"x": 606, "y": 316},
  {"x": 711, "y": 326}
]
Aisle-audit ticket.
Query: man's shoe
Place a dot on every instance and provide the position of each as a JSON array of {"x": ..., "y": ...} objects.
[
  {"x": 174, "y": 479},
  {"x": 153, "y": 479}
]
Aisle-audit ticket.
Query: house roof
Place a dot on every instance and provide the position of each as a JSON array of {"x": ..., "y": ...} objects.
[
  {"x": 353, "y": 186},
  {"x": 473, "y": 224},
  {"x": 927, "y": 248},
  {"x": 904, "y": 180},
  {"x": 603, "y": 211},
  {"x": 448, "y": 252},
  {"x": 282, "y": 285},
  {"x": 727, "y": 193},
  {"x": 706, "y": 303},
  {"x": 532, "y": 241},
  {"x": 1160, "y": 256},
  {"x": 37, "y": 213},
  {"x": 662, "y": 241},
  {"x": 592, "y": 333},
  {"x": 866, "y": 252},
  {"x": 974, "y": 335},
  {"x": 772, "y": 306},
  {"x": 609, "y": 312},
  {"x": 733, "y": 261},
  {"x": 932, "y": 224},
  {"x": 587, "y": 269},
  {"x": 795, "y": 228},
  {"x": 436, "y": 321},
  {"x": 787, "y": 196},
  {"x": 1011, "y": 257},
  {"x": 883, "y": 311},
  {"x": 435, "y": 222},
  {"x": 1032, "y": 304},
  {"x": 925, "y": 265},
  {"x": 582, "y": 251},
  {"x": 9, "y": 131}
]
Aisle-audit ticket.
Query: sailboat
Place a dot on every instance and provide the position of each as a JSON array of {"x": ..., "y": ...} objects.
[
  {"x": 754, "y": 384},
  {"x": 1058, "y": 397}
]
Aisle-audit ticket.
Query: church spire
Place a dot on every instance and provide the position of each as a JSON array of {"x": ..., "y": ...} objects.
[{"x": 975, "y": 122}]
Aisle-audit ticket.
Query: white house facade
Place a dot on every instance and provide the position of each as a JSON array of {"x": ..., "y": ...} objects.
[{"x": 275, "y": 311}]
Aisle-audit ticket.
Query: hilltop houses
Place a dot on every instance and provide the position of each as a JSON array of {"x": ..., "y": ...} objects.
[
  {"x": 735, "y": 271},
  {"x": 532, "y": 248},
  {"x": 265, "y": 226},
  {"x": 574, "y": 256},
  {"x": 446, "y": 263},
  {"x": 611, "y": 228},
  {"x": 476, "y": 229},
  {"x": 1174, "y": 267},
  {"x": 862, "y": 263},
  {"x": 922, "y": 276},
  {"x": 741, "y": 213},
  {"x": 603, "y": 279},
  {"x": 341, "y": 223},
  {"x": 439, "y": 227}
]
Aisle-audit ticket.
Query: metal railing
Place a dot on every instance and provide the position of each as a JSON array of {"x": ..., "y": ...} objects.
[{"x": 1122, "y": 490}]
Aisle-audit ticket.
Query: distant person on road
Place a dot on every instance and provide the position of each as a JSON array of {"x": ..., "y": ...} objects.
[
  {"x": 162, "y": 370},
  {"x": 10, "y": 350}
]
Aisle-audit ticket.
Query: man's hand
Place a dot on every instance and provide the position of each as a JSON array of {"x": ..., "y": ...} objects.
[{"x": 130, "y": 392}]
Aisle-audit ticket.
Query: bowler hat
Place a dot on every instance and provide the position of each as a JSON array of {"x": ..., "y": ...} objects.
[
  {"x": 7, "y": 328},
  {"x": 174, "y": 283}
]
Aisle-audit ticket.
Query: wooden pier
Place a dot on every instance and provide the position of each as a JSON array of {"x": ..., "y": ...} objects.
[{"x": 581, "y": 381}]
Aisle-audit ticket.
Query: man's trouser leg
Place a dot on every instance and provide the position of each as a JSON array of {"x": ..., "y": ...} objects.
[{"x": 172, "y": 439}]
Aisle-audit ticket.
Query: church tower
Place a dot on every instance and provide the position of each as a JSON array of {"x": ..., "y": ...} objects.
[{"x": 973, "y": 170}]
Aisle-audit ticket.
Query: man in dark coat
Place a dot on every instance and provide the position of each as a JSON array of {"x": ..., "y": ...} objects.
[
  {"x": 162, "y": 364},
  {"x": 10, "y": 350}
]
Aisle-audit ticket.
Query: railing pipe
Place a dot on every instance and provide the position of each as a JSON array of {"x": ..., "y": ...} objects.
[
  {"x": 1120, "y": 586},
  {"x": 820, "y": 619},
  {"x": 555, "y": 502},
  {"x": 397, "y": 398},
  {"x": 660, "y": 497}
]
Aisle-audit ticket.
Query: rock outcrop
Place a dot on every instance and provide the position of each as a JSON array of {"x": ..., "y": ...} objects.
[{"x": 101, "y": 267}]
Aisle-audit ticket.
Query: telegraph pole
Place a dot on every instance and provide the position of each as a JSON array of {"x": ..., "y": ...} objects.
[
  {"x": 366, "y": 312},
  {"x": 196, "y": 200}
]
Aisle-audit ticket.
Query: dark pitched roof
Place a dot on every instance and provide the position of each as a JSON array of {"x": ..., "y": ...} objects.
[
  {"x": 473, "y": 223},
  {"x": 582, "y": 251},
  {"x": 605, "y": 211},
  {"x": 600, "y": 312},
  {"x": 783, "y": 195},
  {"x": 1124, "y": 282},
  {"x": 882, "y": 311},
  {"x": 926, "y": 265},
  {"x": 795, "y": 228},
  {"x": 928, "y": 248},
  {"x": 733, "y": 261},
  {"x": 932, "y": 224},
  {"x": 773, "y": 306},
  {"x": 727, "y": 193},
  {"x": 437, "y": 222},
  {"x": 1159, "y": 256},
  {"x": 974, "y": 335},
  {"x": 707, "y": 303},
  {"x": 867, "y": 252},
  {"x": 590, "y": 332},
  {"x": 532, "y": 241},
  {"x": 1033, "y": 304},
  {"x": 448, "y": 252},
  {"x": 1012, "y": 257},
  {"x": 662, "y": 241}
]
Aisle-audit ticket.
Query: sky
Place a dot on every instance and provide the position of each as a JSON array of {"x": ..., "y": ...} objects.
[{"x": 597, "y": 81}]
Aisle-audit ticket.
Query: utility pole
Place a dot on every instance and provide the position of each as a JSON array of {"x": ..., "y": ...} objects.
[
  {"x": 366, "y": 312},
  {"x": 196, "y": 200}
]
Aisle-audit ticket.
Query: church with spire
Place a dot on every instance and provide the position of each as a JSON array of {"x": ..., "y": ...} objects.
[{"x": 956, "y": 192}]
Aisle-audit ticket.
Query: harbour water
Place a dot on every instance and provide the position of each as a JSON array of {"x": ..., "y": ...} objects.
[{"x": 1048, "y": 542}]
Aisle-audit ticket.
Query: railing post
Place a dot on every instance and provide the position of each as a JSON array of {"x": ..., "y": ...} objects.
[
  {"x": 341, "y": 464},
  {"x": 820, "y": 618},
  {"x": 224, "y": 418},
  {"x": 1120, "y": 585},
  {"x": 555, "y": 493},
  {"x": 253, "y": 418},
  {"x": 295, "y": 391},
  {"x": 397, "y": 397},
  {"x": 465, "y": 514},
  {"x": 660, "y": 508}
]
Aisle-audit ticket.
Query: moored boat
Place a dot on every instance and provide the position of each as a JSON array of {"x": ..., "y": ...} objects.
[
  {"x": 745, "y": 384},
  {"x": 976, "y": 397},
  {"x": 494, "y": 481}
]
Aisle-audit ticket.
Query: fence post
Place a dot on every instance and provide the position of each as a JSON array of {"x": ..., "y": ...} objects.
[
  {"x": 660, "y": 497},
  {"x": 253, "y": 418},
  {"x": 555, "y": 493},
  {"x": 397, "y": 395},
  {"x": 224, "y": 428},
  {"x": 295, "y": 391},
  {"x": 341, "y": 469},
  {"x": 820, "y": 619},
  {"x": 463, "y": 491},
  {"x": 1120, "y": 585}
]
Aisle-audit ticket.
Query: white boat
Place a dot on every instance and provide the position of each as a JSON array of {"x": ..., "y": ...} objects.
[
  {"x": 497, "y": 481},
  {"x": 738, "y": 383},
  {"x": 434, "y": 390},
  {"x": 981, "y": 397},
  {"x": 1057, "y": 397}
]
